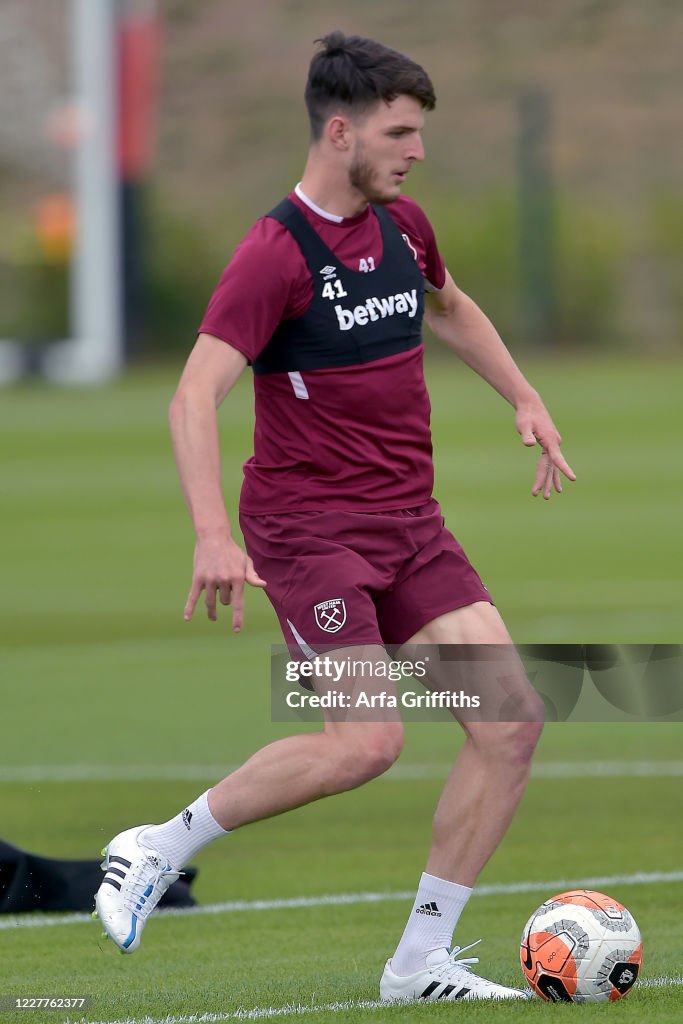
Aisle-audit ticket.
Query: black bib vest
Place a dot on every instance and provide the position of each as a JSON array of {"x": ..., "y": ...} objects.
[{"x": 354, "y": 317}]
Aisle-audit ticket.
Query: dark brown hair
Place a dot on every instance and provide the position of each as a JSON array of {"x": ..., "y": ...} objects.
[{"x": 355, "y": 73}]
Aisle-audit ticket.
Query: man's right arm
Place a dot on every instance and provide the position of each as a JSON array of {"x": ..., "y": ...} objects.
[{"x": 220, "y": 565}]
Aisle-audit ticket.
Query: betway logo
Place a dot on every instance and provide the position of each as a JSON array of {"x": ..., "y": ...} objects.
[{"x": 377, "y": 309}]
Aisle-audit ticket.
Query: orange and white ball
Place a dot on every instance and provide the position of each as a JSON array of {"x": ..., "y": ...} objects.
[{"x": 581, "y": 947}]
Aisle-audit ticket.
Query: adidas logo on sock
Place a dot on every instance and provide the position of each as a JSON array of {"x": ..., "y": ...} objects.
[
  {"x": 187, "y": 818},
  {"x": 430, "y": 909}
]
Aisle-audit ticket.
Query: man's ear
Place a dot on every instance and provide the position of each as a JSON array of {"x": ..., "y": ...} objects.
[{"x": 338, "y": 131}]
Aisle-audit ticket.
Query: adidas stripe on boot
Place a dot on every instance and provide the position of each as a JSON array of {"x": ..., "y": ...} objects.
[
  {"x": 446, "y": 978},
  {"x": 135, "y": 879}
]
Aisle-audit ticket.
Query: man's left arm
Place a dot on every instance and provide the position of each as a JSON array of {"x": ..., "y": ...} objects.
[{"x": 457, "y": 321}]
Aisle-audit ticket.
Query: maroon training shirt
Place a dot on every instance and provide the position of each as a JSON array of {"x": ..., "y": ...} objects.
[{"x": 352, "y": 437}]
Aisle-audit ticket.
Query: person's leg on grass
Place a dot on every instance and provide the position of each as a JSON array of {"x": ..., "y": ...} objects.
[
  {"x": 476, "y": 806},
  {"x": 142, "y": 862}
]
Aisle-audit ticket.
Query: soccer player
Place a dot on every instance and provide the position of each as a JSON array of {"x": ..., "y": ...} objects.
[{"x": 325, "y": 298}]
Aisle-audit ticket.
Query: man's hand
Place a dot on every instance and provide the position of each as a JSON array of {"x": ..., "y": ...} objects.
[
  {"x": 536, "y": 427},
  {"x": 458, "y": 321},
  {"x": 221, "y": 567}
]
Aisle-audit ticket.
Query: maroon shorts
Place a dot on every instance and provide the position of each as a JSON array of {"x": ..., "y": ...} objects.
[{"x": 354, "y": 578}]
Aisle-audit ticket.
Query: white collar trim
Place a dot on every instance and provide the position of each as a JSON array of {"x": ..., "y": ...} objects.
[{"x": 316, "y": 209}]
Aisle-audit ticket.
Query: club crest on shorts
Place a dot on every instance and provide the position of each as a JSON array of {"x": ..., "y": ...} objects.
[{"x": 330, "y": 615}]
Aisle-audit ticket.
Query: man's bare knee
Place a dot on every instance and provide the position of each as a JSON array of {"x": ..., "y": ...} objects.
[
  {"x": 525, "y": 739},
  {"x": 511, "y": 743},
  {"x": 365, "y": 751},
  {"x": 385, "y": 749}
]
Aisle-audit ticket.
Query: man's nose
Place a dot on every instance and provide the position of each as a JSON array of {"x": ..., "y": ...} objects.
[{"x": 416, "y": 150}]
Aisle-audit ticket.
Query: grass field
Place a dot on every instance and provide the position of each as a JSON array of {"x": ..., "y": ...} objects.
[{"x": 115, "y": 712}]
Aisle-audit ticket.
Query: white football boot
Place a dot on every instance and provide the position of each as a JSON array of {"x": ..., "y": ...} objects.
[
  {"x": 445, "y": 978},
  {"x": 135, "y": 879}
]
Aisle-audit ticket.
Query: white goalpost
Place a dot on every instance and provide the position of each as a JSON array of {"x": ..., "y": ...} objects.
[{"x": 94, "y": 350}]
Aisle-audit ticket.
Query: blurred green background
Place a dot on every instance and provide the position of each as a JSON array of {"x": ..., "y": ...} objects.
[
  {"x": 96, "y": 550},
  {"x": 231, "y": 135}
]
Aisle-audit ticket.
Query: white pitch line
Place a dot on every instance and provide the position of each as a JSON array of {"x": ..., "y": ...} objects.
[
  {"x": 298, "y": 1010},
  {"x": 659, "y": 982},
  {"x": 399, "y": 773},
  {"x": 355, "y": 898},
  {"x": 259, "y": 1013},
  {"x": 558, "y": 770},
  {"x": 114, "y": 772}
]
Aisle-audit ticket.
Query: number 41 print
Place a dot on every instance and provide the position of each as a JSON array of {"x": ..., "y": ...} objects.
[{"x": 333, "y": 290}]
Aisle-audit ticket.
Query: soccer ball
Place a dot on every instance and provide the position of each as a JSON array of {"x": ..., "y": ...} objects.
[{"x": 581, "y": 947}]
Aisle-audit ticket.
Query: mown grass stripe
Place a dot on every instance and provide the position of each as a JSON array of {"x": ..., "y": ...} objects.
[
  {"x": 401, "y": 772},
  {"x": 355, "y": 898}
]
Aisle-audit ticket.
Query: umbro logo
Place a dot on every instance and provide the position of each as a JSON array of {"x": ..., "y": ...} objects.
[
  {"x": 430, "y": 909},
  {"x": 187, "y": 818},
  {"x": 329, "y": 272}
]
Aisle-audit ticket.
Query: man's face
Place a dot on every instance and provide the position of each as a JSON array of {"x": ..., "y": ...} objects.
[{"x": 385, "y": 144}]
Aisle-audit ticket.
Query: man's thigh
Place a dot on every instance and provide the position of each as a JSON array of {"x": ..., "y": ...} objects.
[
  {"x": 362, "y": 683},
  {"x": 477, "y": 623},
  {"x": 471, "y": 656}
]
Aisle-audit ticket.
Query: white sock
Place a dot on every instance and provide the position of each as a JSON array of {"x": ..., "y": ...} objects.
[
  {"x": 183, "y": 836},
  {"x": 431, "y": 924}
]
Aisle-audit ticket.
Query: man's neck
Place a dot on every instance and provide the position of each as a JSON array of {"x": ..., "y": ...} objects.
[
  {"x": 333, "y": 217},
  {"x": 332, "y": 193}
]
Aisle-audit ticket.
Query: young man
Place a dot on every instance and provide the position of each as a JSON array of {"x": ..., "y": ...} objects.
[{"x": 325, "y": 297}]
